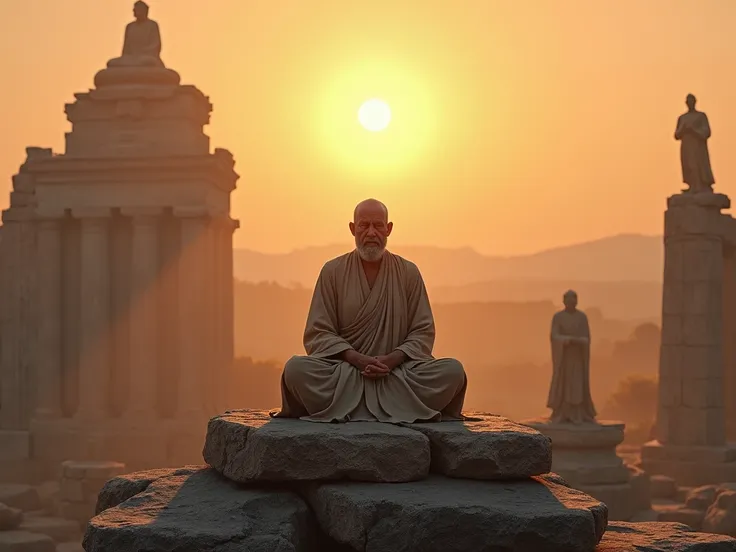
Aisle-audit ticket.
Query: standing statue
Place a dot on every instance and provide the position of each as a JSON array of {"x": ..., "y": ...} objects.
[
  {"x": 142, "y": 42},
  {"x": 693, "y": 131},
  {"x": 569, "y": 394}
]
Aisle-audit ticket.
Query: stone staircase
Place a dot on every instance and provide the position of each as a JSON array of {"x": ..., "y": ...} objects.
[{"x": 277, "y": 484}]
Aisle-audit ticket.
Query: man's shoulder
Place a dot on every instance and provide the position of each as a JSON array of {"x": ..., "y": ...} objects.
[
  {"x": 409, "y": 266},
  {"x": 337, "y": 262}
]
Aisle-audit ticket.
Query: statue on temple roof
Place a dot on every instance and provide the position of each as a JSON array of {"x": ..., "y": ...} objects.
[{"x": 142, "y": 42}]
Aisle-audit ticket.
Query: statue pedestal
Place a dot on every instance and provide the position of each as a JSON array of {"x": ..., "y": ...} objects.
[{"x": 585, "y": 456}]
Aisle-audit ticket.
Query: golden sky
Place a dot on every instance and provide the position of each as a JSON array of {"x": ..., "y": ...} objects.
[{"x": 517, "y": 125}]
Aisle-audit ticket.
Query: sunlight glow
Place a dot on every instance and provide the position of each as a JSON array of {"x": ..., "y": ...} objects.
[{"x": 374, "y": 115}]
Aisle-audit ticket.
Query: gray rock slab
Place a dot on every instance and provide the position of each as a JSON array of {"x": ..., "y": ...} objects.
[
  {"x": 661, "y": 537},
  {"x": 22, "y": 541},
  {"x": 248, "y": 446},
  {"x": 487, "y": 447},
  {"x": 119, "y": 489},
  {"x": 441, "y": 514},
  {"x": 23, "y": 497},
  {"x": 203, "y": 511}
]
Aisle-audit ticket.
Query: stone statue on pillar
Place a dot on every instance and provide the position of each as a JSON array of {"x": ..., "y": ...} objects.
[
  {"x": 569, "y": 394},
  {"x": 693, "y": 131},
  {"x": 142, "y": 42}
]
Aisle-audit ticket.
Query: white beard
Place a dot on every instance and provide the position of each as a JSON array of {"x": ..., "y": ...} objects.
[{"x": 371, "y": 253}]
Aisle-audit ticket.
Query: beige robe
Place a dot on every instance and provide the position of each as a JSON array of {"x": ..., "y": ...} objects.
[
  {"x": 346, "y": 313},
  {"x": 569, "y": 394}
]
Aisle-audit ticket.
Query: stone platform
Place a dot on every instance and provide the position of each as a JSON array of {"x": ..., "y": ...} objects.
[
  {"x": 465, "y": 494},
  {"x": 585, "y": 455},
  {"x": 690, "y": 466}
]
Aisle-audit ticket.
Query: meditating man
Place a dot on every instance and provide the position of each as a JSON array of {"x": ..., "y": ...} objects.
[{"x": 369, "y": 338}]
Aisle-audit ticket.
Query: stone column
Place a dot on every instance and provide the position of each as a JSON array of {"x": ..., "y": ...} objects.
[
  {"x": 192, "y": 311},
  {"x": 144, "y": 337},
  {"x": 729, "y": 338},
  {"x": 94, "y": 373},
  {"x": 691, "y": 411},
  {"x": 18, "y": 326},
  {"x": 49, "y": 361}
]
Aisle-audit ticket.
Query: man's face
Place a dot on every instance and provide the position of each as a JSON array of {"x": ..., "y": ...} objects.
[
  {"x": 570, "y": 300},
  {"x": 140, "y": 12},
  {"x": 371, "y": 230},
  {"x": 690, "y": 102}
]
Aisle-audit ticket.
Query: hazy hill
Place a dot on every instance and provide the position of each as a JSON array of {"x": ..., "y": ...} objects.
[
  {"x": 629, "y": 258},
  {"x": 621, "y": 275}
]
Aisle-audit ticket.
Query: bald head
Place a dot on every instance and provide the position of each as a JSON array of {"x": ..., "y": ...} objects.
[
  {"x": 570, "y": 299},
  {"x": 371, "y": 229},
  {"x": 370, "y": 207}
]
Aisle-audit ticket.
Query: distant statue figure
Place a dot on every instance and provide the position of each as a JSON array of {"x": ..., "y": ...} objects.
[
  {"x": 693, "y": 131},
  {"x": 569, "y": 394},
  {"x": 142, "y": 43}
]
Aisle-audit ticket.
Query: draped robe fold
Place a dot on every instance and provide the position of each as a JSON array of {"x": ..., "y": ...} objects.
[
  {"x": 347, "y": 313},
  {"x": 569, "y": 394}
]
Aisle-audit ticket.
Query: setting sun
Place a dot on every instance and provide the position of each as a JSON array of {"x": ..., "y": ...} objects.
[{"x": 374, "y": 115}]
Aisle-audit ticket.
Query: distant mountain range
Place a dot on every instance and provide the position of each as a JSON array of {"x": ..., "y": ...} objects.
[
  {"x": 622, "y": 258},
  {"x": 621, "y": 274}
]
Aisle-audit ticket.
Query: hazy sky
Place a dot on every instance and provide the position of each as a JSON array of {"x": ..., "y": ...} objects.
[{"x": 518, "y": 125}]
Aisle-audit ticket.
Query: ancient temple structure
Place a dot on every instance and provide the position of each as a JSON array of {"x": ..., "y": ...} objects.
[
  {"x": 116, "y": 322},
  {"x": 696, "y": 421}
]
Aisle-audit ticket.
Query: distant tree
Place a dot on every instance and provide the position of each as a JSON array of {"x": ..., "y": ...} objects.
[
  {"x": 635, "y": 403},
  {"x": 639, "y": 353}
]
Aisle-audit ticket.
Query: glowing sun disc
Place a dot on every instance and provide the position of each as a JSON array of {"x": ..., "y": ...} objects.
[{"x": 374, "y": 115}]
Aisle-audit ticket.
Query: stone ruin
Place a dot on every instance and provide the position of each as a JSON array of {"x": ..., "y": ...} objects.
[
  {"x": 116, "y": 282},
  {"x": 696, "y": 419},
  {"x": 289, "y": 485}
]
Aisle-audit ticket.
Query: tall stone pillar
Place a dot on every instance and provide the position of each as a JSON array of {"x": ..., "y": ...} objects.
[
  {"x": 144, "y": 336},
  {"x": 95, "y": 328},
  {"x": 729, "y": 336},
  {"x": 49, "y": 375},
  {"x": 192, "y": 311},
  {"x": 691, "y": 435},
  {"x": 18, "y": 331}
]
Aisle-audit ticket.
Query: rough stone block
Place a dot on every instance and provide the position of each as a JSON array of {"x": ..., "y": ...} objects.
[
  {"x": 663, "y": 487},
  {"x": 701, "y": 329},
  {"x": 621, "y": 499},
  {"x": 121, "y": 488},
  {"x": 203, "y": 511},
  {"x": 703, "y": 260},
  {"x": 674, "y": 270},
  {"x": 439, "y": 514},
  {"x": 673, "y": 297},
  {"x": 74, "y": 469},
  {"x": 60, "y": 530},
  {"x": 23, "y": 497},
  {"x": 672, "y": 329},
  {"x": 670, "y": 392},
  {"x": 687, "y": 516},
  {"x": 10, "y": 518},
  {"x": 670, "y": 361},
  {"x": 702, "y": 362},
  {"x": 251, "y": 446},
  {"x": 702, "y": 298},
  {"x": 703, "y": 393},
  {"x": 488, "y": 447},
  {"x": 22, "y": 541},
  {"x": 661, "y": 537}
]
